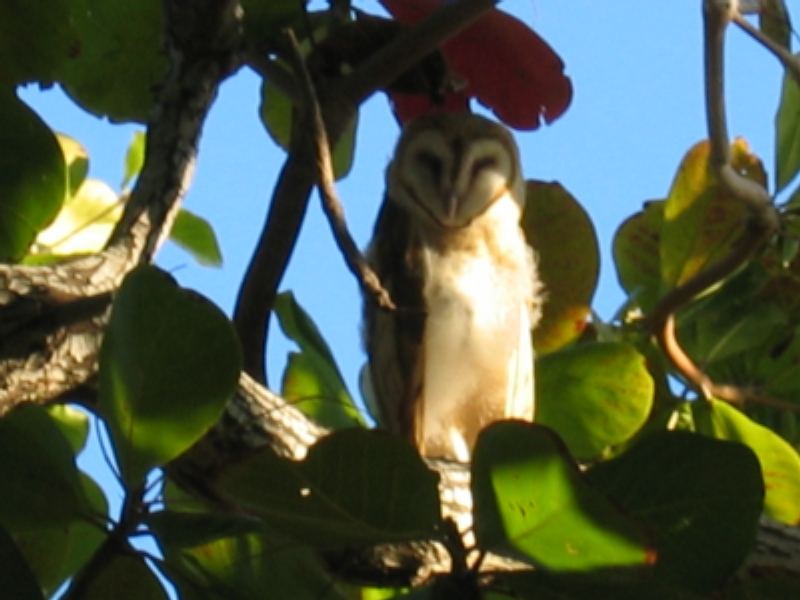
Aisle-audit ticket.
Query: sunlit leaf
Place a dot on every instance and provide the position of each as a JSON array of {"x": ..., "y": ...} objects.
[
  {"x": 277, "y": 114},
  {"x": 77, "y": 160},
  {"x": 356, "y": 487},
  {"x": 36, "y": 36},
  {"x": 702, "y": 498},
  {"x": 637, "y": 258},
  {"x": 312, "y": 381},
  {"x": 531, "y": 503},
  {"x": 134, "y": 158},
  {"x": 195, "y": 235},
  {"x": 18, "y": 581},
  {"x": 169, "y": 363},
  {"x": 84, "y": 223},
  {"x": 780, "y": 463},
  {"x": 563, "y": 237},
  {"x": 701, "y": 222},
  {"x": 73, "y": 423},
  {"x": 33, "y": 176},
  {"x": 594, "y": 395},
  {"x": 119, "y": 60},
  {"x": 787, "y": 134},
  {"x": 33, "y": 478}
]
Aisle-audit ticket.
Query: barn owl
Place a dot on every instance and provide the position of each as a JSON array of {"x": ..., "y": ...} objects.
[{"x": 456, "y": 354}]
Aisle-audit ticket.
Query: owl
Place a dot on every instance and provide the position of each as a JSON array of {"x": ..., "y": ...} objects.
[{"x": 456, "y": 353}]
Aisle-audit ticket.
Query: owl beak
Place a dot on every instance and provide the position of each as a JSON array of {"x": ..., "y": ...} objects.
[{"x": 452, "y": 204}]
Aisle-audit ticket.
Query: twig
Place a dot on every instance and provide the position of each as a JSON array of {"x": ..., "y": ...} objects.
[
  {"x": 280, "y": 77},
  {"x": 789, "y": 61},
  {"x": 339, "y": 99},
  {"x": 366, "y": 276},
  {"x": 762, "y": 224}
]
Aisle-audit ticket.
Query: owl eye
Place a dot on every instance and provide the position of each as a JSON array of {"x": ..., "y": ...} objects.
[
  {"x": 485, "y": 162},
  {"x": 432, "y": 163}
]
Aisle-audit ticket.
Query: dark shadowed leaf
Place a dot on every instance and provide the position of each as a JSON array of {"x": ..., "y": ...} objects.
[
  {"x": 125, "y": 576},
  {"x": 32, "y": 478},
  {"x": 636, "y": 249},
  {"x": 701, "y": 497},
  {"x": 16, "y": 578},
  {"x": 33, "y": 176},
  {"x": 701, "y": 222},
  {"x": 55, "y": 554},
  {"x": 562, "y": 235},
  {"x": 36, "y": 36},
  {"x": 195, "y": 235},
  {"x": 119, "y": 59},
  {"x": 594, "y": 395},
  {"x": 773, "y": 19},
  {"x": 780, "y": 463},
  {"x": 787, "y": 134},
  {"x": 312, "y": 380},
  {"x": 356, "y": 488},
  {"x": 169, "y": 363},
  {"x": 532, "y": 503}
]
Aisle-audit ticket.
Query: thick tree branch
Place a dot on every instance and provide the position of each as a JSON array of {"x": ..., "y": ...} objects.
[{"x": 202, "y": 39}]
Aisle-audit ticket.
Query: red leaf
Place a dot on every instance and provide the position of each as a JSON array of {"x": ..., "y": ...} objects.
[
  {"x": 503, "y": 63},
  {"x": 410, "y": 106}
]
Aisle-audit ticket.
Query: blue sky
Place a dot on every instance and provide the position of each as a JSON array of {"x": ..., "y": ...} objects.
[{"x": 636, "y": 68}]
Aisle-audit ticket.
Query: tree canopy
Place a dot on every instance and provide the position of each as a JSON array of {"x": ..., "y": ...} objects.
[{"x": 664, "y": 458}]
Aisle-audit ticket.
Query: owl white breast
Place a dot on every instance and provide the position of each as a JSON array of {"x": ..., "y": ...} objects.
[{"x": 456, "y": 354}]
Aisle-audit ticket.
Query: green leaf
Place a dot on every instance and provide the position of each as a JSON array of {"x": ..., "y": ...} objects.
[
  {"x": 312, "y": 380},
  {"x": 73, "y": 423},
  {"x": 531, "y": 503},
  {"x": 221, "y": 557},
  {"x": 598, "y": 585},
  {"x": 702, "y": 498},
  {"x": 701, "y": 222},
  {"x": 195, "y": 235},
  {"x": 119, "y": 61},
  {"x": 33, "y": 176},
  {"x": 16, "y": 578},
  {"x": 594, "y": 395},
  {"x": 562, "y": 234},
  {"x": 77, "y": 160},
  {"x": 773, "y": 19},
  {"x": 787, "y": 134},
  {"x": 276, "y": 112},
  {"x": 56, "y": 554},
  {"x": 636, "y": 249},
  {"x": 264, "y": 19},
  {"x": 37, "y": 465},
  {"x": 169, "y": 363},
  {"x": 780, "y": 463},
  {"x": 356, "y": 488},
  {"x": 36, "y": 36},
  {"x": 134, "y": 158},
  {"x": 125, "y": 576}
]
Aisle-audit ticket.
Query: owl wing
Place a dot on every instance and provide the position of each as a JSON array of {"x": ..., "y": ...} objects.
[{"x": 394, "y": 339}]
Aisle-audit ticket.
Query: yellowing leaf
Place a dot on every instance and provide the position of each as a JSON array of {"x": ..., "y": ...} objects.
[
  {"x": 84, "y": 223},
  {"x": 562, "y": 236},
  {"x": 701, "y": 223},
  {"x": 637, "y": 254}
]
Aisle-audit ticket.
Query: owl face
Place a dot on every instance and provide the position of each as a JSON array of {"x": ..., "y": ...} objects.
[{"x": 449, "y": 168}]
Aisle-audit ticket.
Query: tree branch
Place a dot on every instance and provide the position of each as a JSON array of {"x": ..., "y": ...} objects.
[{"x": 339, "y": 100}]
